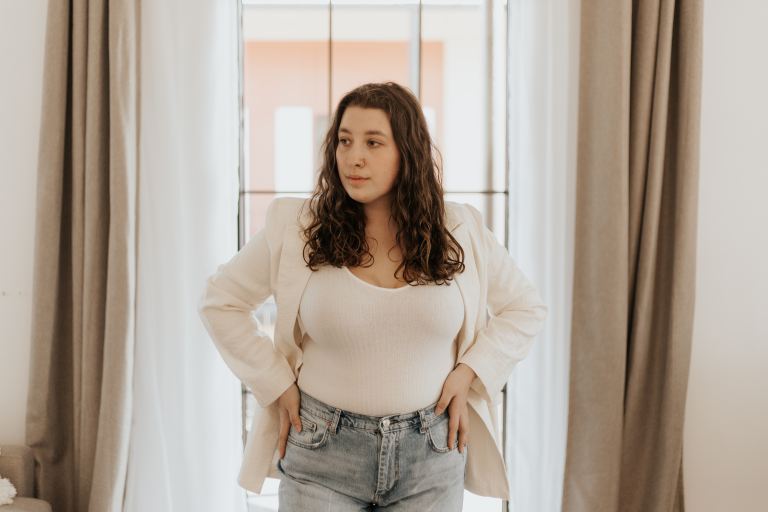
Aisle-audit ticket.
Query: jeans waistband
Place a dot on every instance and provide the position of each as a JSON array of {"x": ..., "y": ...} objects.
[{"x": 423, "y": 417}]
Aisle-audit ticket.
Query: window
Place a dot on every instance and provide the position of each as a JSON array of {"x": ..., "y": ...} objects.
[{"x": 300, "y": 57}]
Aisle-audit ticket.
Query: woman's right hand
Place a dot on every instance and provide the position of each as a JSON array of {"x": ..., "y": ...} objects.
[{"x": 288, "y": 406}]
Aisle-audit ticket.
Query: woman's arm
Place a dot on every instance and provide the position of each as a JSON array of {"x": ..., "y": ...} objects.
[
  {"x": 238, "y": 288},
  {"x": 517, "y": 314}
]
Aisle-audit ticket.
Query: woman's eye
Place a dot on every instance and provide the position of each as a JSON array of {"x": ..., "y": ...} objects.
[{"x": 372, "y": 142}]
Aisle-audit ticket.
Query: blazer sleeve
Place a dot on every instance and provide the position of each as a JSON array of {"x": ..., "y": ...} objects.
[
  {"x": 517, "y": 314},
  {"x": 231, "y": 295}
]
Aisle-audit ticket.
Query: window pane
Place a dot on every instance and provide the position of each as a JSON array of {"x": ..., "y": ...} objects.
[
  {"x": 285, "y": 88},
  {"x": 454, "y": 83},
  {"x": 366, "y": 51}
]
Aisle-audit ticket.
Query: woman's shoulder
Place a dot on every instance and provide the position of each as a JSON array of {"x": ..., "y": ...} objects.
[
  {"x": 281, "y": 204},
  {"x": 460, "y": 208},
  {"x": 284, "y": 208},
  {"x": 462, "y": 213},
  {"x": 281, "y": 212}
]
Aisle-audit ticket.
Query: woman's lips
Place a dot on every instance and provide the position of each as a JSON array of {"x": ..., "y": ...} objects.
[{"x": 357, "y": 180}]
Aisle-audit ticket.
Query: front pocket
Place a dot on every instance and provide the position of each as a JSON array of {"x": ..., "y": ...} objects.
[
  {"x": 313, "y": 435},
  {"x": 438, "y": 435}
]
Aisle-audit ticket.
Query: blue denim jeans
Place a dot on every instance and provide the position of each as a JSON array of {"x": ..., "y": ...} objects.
[{"x": 343, "y": 461}]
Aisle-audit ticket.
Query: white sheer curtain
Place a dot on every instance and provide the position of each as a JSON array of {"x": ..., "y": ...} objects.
[
  {"x": 185, "y": 447},
  {"x": 543, "y": 48}
]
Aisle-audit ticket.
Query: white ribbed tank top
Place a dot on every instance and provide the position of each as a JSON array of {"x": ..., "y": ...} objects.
[{"x": 375, "y": 350}]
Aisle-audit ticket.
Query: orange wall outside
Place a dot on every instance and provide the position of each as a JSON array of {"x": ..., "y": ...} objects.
[{"x": 296, "y": 73}]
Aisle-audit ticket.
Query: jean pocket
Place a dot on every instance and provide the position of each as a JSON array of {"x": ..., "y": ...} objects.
[
  {"x": 437, "y": 433},
  {"x": 314, "y": 432}
]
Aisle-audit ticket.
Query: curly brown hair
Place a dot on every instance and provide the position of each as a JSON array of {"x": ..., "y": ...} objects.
[{"x": 336, "y": 233}]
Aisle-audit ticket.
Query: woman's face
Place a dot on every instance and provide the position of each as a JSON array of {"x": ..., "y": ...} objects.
[{"x": 367, "y": 149}]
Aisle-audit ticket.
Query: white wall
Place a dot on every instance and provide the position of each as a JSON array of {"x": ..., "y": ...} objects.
[
  {"x": 726, "y": 446},
  {"x": 726, "y": 431},
  {"x": 22, "y": 37}
]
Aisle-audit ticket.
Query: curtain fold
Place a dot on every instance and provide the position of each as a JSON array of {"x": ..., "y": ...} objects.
[
  {"x": 82, "y": 338},
  {"x": 186, "y": 440},
  {"x": 635, "y": 254},
  {"x": 543, "y": 76},
  {"x": 130, "y": 408}
]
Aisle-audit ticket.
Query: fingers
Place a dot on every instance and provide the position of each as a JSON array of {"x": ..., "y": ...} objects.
[
  {"x": 453, "y": 427},
  {"x": 295, "y": 419},
  {"x": 463, "y": 435},
  {"x": 282, "y": 437},
  {"x": 288, "y": 417},
  {"x": 458, "y": 423}
]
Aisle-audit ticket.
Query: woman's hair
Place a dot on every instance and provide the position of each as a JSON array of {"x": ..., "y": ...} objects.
[{"x": 336, "y": 233}]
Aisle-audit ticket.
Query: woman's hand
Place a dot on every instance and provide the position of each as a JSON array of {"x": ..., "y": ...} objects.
[
  {"x": 454, "y": 398},
  {"x": 288, "y": 406}
]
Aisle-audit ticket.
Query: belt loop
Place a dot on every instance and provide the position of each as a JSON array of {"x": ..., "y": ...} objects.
[
  {"x": 424, "y": 425},
  {"x": 335, "y": 421}
]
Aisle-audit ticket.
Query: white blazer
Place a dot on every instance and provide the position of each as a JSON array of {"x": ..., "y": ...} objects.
[{"x": 271, "y": 263}]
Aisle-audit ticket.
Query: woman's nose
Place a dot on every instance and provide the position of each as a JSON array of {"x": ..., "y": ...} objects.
[{"x": 358, "y": 159}]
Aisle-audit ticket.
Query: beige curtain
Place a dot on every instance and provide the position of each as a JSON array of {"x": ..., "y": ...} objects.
[
  {"x": 635, "y": 248},
  {"x": 78, "y": 416}
]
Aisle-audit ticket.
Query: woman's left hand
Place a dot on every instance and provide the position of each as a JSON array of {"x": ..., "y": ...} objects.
[{"x": 454, "y": 398}]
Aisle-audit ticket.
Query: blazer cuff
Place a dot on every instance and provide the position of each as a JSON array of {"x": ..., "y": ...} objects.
[
  {"x": 280, "y": 376},
  {"x": 478, "y": 361}
]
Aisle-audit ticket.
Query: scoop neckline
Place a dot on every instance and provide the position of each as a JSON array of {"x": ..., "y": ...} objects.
[{"x": 373, "y": 285}]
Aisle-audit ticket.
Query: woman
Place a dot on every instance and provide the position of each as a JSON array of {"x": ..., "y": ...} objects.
[{"x": 377, "y": 353}]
